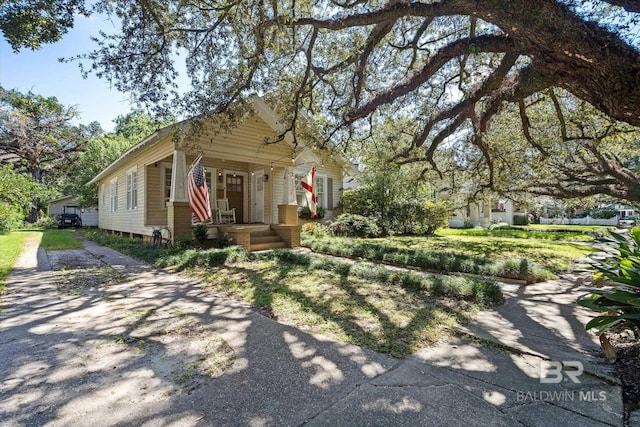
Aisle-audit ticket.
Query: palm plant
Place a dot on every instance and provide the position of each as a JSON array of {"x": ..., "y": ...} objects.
[{"x": 615, "y": 291}]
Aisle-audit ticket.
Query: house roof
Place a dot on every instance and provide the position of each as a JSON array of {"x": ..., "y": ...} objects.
[
  {"x": 59, "y": 199},
  {"x": 261, "y": 109},
  {"x": 148, "y": 141}
]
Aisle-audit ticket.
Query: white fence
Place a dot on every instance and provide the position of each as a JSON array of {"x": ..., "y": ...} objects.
[{"x": 580, "y": 221}]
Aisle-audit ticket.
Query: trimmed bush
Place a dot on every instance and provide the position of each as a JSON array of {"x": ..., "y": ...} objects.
[
  {"x": 352, "y": 225},
  {"x": 603, "y": 213},
  {"x": 305, "y": 213},
  {"x": 520, "y": 220},
  {"x": 441, "y": 262}
]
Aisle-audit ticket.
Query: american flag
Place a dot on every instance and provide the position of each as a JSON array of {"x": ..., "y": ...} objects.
[{"x": 198, "y": 192}]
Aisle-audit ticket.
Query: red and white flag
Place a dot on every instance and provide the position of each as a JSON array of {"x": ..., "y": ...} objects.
[
  {"x": 308, "y": 186},
  {"x": 198, "y": 192}
]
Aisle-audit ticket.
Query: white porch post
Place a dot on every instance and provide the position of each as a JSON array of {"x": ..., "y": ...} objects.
[
  {"x": 288, "y": 210},
  {"x": 178, "y": 177},
  {"x": 178, "y": 211},
  {"x": 289, "y": 188}
]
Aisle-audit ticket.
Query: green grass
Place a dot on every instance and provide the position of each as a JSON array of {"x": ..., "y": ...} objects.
[
  {"x": 554, "y": 256},
  {"x": 520, "y": 233},
  {"x": 529, "y": 260},
  {"x": 11, "y": 246},
  {"x": 56, "y": 240},
  {"x": 365, "y": 304},
  {"x": 596, "y": 229}
]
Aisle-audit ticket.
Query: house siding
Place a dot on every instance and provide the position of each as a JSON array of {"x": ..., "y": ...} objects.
[{"x": 241, "y": 150}]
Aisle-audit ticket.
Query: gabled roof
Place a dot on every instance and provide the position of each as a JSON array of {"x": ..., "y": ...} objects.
[
  {"x": 259, "y": 106},
  {"x": 59, "y": 199},
  {"x": 147, "y": 142}
]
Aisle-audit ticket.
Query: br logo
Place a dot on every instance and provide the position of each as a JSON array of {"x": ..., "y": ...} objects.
[{"x": 553, "y": 372}]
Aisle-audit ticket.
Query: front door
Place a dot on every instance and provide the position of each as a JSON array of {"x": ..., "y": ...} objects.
[
  {"x": 235, "y": 185},
  {"x": 257, "y": 213}
]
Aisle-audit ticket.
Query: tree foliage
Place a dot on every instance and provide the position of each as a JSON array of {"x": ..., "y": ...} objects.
[
  {"x": 19, "y": 196},
  {"x": 103, "y": 149},
  {"x": 29, "y": 24},
  {"x": 39, "y": 131},
  {"x": 450, "y": 67}
]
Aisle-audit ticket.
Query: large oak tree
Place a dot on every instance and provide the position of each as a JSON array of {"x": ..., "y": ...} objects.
[{"x": 451, "y": 67}]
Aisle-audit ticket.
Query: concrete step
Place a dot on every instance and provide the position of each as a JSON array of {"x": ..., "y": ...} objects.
[
  {"x": 265, "y": 246},
  {"x": 265, "y": 239},
  {"x": 260, "y": 233}
]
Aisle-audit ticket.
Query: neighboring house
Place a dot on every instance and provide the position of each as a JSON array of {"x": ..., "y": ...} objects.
[
  {"x": 145, "y": 189},
  {"x": 68, "y": 204},
  {"x": 484, "y": 212},
  {"x": 622, "y": 209}
]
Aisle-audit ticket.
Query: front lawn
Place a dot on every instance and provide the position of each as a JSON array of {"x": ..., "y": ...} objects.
[
  {"x": 10, "y": 248},
  {"x": 361, "y": 303},
  {"x": 529, "y": 260},
  {"x": 555, "y": 256},
  {"x": 523, "y": 233}
]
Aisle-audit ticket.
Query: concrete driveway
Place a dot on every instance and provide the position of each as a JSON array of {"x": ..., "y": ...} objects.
[{"x": 93, "y": 337}]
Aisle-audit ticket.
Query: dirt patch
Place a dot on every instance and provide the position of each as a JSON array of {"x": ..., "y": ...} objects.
[
  {"x": 86, "y": 280},
  {"x": 627, "y": 364},
  {"x": 177, "y": 346}
]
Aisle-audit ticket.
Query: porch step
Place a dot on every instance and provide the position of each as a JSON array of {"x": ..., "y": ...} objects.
[
  {"x": 265, "y": 246},
  {"x": 266, "y": 239},
  {"x": 263, "y": 233}
]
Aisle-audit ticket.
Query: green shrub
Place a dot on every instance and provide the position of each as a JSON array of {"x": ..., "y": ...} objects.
[
  {"x": 419, "y": 217},
  {"x": 467, "y": 224},
  {"x": 499, "y": 225},
  {"x": 313, "y": 229},
  {"x": 10, "y": 217},
  {"x": 352, "y": 225},
  {"x": 305, "y": 213},
  {"x": 364, "y": 200},
  {"x": 603, "y": 213},
  {"x": 520, "y": 220},
  {"x": 442, "y": 262},
  {"x": 616, "y": 283},
  {"x": 45, "y": 221},
  {"x": 200, "y": 232}
]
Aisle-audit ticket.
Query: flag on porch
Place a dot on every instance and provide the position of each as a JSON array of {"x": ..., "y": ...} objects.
[
  {"x": 198, "y": 192},
  {"x": 308, "y": 186}
]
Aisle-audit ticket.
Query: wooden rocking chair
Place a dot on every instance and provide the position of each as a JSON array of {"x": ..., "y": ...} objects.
[{"x": 225, "y": 215}]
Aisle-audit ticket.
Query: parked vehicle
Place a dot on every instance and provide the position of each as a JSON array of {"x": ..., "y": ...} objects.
[{"x": 69, "y": 220}]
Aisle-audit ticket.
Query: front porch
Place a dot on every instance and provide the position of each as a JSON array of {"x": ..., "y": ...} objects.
[
  {"x": 258, "y": 237},
  {"x": 252, "y": 237}
]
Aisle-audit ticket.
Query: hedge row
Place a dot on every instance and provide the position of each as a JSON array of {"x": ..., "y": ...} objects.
[{"x": 440, "y": 262}]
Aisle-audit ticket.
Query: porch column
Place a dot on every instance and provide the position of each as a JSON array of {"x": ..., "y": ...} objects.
[
  {"x": 473, "y": 214},
  {"x": 485, "y": 220},
  {"x": 288, "y": 210},
  {"x": 178, "y": 177},
  {"x": 178, "y": 211}
]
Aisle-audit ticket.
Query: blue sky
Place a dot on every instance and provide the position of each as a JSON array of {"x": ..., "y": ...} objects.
[{"x": 43, "y": 74}]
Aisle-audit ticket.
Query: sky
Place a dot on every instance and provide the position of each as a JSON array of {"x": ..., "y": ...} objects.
[{"x": 43, "y": 74}]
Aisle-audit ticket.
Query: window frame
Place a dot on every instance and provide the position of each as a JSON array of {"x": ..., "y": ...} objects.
[
  {"x": 132, "y": 188},
  {"x": 301, "y": 199},
  {"x": 113, "y": 194},
  {"x": 165, "y": 195}
]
